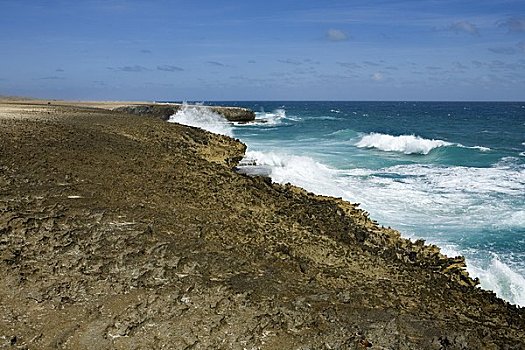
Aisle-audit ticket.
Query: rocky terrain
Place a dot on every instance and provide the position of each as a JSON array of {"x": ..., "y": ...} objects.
[
  {"x": 164, "y": 111},
  {"x": 119, "y": 231}
]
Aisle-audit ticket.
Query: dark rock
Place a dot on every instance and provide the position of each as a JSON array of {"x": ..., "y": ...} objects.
[
  {"x": 235, "y": 114},
  {"x": 165, "y": 111}
]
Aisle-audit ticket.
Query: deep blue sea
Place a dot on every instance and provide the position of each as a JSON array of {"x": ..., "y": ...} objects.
[{"x": 452, "y": 173}]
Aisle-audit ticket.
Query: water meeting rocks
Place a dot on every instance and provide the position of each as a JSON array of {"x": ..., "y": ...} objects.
[{"x": 164, "y": 111}]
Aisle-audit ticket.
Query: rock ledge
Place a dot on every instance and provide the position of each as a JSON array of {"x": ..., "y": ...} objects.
[{"x": 164, "y": 111}]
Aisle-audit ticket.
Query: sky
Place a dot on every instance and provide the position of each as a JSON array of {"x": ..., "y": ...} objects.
[{"x": 204, "y": 50}]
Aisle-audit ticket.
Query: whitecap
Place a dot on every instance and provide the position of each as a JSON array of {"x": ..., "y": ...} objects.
[
  {"x": 479, "y": 148},
  {"x": 274, "y": 118},
  {"x": 407, "y": 144},
  {"x": 326, "y": 117}
]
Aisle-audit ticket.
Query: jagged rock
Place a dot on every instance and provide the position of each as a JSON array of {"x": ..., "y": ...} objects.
[
  {"x": 161, "y": 111},
  {"x": 164, "y": 111}
]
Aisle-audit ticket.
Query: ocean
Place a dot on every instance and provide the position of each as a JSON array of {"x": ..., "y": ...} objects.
[{"x": 451, "y": 173}]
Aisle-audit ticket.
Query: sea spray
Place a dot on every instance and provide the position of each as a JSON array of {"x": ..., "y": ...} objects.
[
  {"x": 299, "y": 170},
  {"x": 202, "y": 117},
  {"x": 268, "y": 119},
  {"x": 501, "y": 279},
  {"x": 271, "y": 118}
]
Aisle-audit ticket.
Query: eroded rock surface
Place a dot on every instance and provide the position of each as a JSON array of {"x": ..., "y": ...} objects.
[
  {"x": 165, "y": 111},
  {"x": 124, "y": 232}
]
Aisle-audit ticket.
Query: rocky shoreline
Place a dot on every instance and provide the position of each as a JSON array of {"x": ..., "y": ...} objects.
[
  {"x": 119, "y": 231},
  {"x": 166, "y": 110}
]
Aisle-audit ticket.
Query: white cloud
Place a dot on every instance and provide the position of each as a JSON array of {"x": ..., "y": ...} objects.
[
  {"x": 169, "y": 68},
  {"x": 514, "y": 24},
  {"x": 502, "y": 50},
  {"x": 336, "y": 35},
  {"x": 464, "y": 27},
  {"x": 370, "y": 63},
  {"x": 216, "y": 63},
  {"x": 521, "y": 45},
  {"x": 134, "y": 69},
  {"x": 290, "y": 61},
  {"x": 459, "y": 65},
  {"x": 349, "y": 65},
  {"x": 377, "y": 76}
]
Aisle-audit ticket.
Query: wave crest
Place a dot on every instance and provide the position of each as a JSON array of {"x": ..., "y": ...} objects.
[
  {"x": 275, "y": 117},
  {"x": 502, "y": 279},
  {"x": 407, "y": 144},
  {"x": 202, "y": 117}
]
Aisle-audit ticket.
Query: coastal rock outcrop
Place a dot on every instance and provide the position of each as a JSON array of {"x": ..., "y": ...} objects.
[
  {"x": 119, "y": 231},
  {"x": 164, "y": 111}
]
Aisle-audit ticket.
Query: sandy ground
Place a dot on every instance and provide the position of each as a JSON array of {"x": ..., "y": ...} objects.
[{"x": 19, "y": 101}]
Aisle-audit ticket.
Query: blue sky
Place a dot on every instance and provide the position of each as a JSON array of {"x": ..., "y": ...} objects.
[{"x": 263, "y": 50}]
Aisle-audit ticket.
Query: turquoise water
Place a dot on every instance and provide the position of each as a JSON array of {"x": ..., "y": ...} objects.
[{"x": 450, "y": 173}]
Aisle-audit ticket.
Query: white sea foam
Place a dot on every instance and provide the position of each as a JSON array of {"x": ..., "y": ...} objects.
[
  {"x": 480, "y": 148},
  {"x": 493, "y": 273},
  {"x": 501, "y": 279},
  {"x": 326, "y": 117},
  {"x": 514, "y": 220},
  {"x": 510, "y": 163},
  {"x": 202, "y": 117},
  {"x": 408, "y": 144},
  {"x": 522, "y": 154},
  {"x": 450, "y": 193},
  {"x": 299, "y": 170},
  {"x": 273, "y": 118}
]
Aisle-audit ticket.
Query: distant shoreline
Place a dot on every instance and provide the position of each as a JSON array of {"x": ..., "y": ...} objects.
[{"x": 123, "y": 102}]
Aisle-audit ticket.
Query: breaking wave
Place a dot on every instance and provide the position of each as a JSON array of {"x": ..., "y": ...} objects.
[
  {"x": 407, "y": 144},
  {"x": 202, "y": 117},
  {"x": 501, "y": 279},
  {"x": 276, "y": 117}
]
